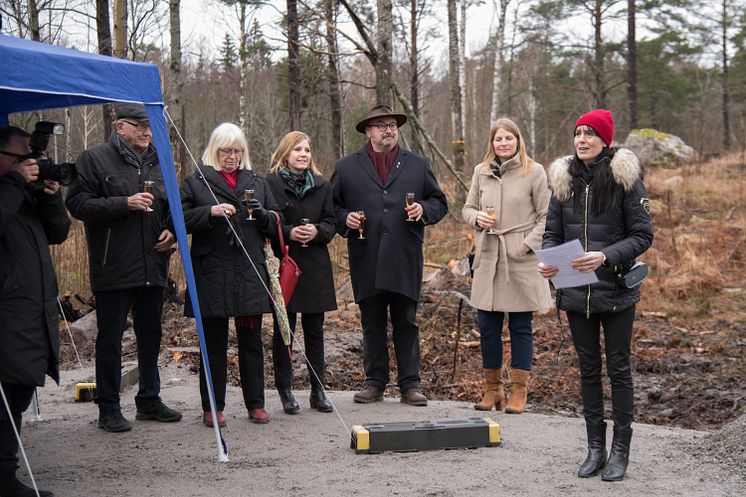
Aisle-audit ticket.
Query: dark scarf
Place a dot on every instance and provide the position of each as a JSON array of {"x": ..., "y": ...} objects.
[
  {"x": 382, "y": 161},
  {"x": 300, "y": 183},
  {"x": 129, "y": 154},
  {"x": 495, "y": 168}
]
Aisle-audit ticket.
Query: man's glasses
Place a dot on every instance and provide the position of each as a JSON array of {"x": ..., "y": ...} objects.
[
  {"x": 383, "y": 126},
  {"x": 231, "y": 151},
  {"x": 142, "y": 126},
  {"x": 11, "y": 154}
]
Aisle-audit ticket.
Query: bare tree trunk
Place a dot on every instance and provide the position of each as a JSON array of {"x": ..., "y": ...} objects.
[
  {"x": 598, "y": 67},
  {"x": 120, "y": 29},
  {"x": 104, "y": 48},
  {"x": 531, "y": 104},
  {"x": 726, "y": 77},
  {"x": 498, "y": 48},
  {"x": 457, "y": 123},
  {"x": 293, "y": 65},
  {"x": 243, "y": 71},
  {"x": 335, "y": 90},
  {"x": 414, "y": 80},
  {"x": 385, "y": 52},
  {"x": 174, "y": 10},
  {"x": 33, "y": 22},
  {"x": 632, "y": 64},
  {"x": 462, "y": 69}
]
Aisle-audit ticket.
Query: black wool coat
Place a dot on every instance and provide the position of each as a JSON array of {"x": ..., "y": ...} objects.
[
  {"x": 227, "y": 284},
  {"x": 121, "y": 242},
  {"x": 390, "y": 258},
  {"x": 622, "y": 232},
  {"x": 29, "y": 222},
  {"x": 315, "y": 290}
]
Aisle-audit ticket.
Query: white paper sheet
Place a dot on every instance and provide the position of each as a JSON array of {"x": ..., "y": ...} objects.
[{"x": 562, "y": 257}]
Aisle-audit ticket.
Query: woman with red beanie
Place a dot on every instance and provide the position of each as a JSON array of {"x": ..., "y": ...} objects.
[{"x": 598, "y": 197}]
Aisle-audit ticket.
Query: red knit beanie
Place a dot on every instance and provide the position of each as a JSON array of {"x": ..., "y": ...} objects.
[{"x": 601, "y": 121}]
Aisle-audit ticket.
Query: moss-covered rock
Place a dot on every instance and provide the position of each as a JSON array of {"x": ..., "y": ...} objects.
[{"x": 656, "y": 148}]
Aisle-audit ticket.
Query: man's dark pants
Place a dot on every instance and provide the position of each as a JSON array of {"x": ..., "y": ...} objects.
[
  {"x": 19, "y": 398},
  {"x": 406, "y": 335},
  {"x": 112, "y": 308}
]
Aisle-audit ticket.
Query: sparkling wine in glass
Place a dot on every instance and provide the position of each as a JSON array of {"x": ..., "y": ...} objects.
[
  {"x": 361, "y": 227},
  {"x": 148, "y": 186},
  {"x": 303, "y": 222},
  {"x": 248, "y": 195},
  {"x": 492, "y": 214},
  {"x": 409, "y": 199}
]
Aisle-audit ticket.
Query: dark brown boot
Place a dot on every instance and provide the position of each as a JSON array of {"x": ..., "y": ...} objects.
[{"x": 494, "y": 394}]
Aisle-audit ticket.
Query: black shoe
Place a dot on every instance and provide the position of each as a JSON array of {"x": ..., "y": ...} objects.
[
  {"x": 619, "y": 455},
  {"x": 113, "y": 421},
  {"x": 320, "y": 402},
  {"x": 596, "y": 458},
  {"x": 157, "y": 411},
  {"x": 289, "y": 405},
  {"x": 14, "y": 488}
]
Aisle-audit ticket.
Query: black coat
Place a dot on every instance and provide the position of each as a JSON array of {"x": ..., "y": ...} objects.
[
  {"x": 227, "y": 284},
  {"x": 622, "y": 232},
  {"x": 390, "y": 257},
  {"x": 121, "y": 242},
  {"x": 29, "y": 222},
  {"x": 315, "y": 289}
]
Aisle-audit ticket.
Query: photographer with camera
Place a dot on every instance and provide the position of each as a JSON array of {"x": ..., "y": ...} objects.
[
  {"x": 120, "y": 197},
  {"x": 30, "y": 220}
]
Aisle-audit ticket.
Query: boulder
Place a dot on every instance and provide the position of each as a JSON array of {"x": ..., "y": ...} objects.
[
  {"x": 655, "y": 148},
  {"x": 86, "y": 328}
]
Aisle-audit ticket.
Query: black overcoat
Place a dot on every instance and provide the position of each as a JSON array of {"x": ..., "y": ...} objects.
[
  {"x": 29, "y": 222},
  {"x": 315, "y": 290},
  {"x": 227, "y": 284},
  {"x": 390, "y": 258}
]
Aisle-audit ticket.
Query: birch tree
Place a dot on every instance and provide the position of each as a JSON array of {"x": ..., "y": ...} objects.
[
  {"x": 498, "y": 51},
  {"x": 456, "y": 91}
]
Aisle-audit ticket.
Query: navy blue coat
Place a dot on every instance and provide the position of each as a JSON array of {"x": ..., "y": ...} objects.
[{"x": 390, "y": 258}]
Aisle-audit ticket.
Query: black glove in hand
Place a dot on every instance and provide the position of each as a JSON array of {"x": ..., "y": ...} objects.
[{"x": 259, "y": 212}]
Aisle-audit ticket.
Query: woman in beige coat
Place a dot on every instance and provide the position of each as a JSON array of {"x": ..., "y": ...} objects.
[{"x": 507, "y": 206}]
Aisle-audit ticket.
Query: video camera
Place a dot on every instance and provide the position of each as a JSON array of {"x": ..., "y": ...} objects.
[{"x": 64, "y": 173}]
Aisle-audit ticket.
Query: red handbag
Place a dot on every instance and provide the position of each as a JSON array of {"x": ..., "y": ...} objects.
[{"x": 289, "y": 270}]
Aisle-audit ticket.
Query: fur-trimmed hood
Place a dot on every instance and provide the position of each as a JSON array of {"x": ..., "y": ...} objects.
[{"x": 625, "y": 167}]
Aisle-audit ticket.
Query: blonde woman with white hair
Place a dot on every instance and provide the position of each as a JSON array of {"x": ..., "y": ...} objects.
[{"x": 227, "y": 284}]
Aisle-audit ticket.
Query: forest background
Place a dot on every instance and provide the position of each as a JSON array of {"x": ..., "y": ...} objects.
[{"x": 677, "y": 66}]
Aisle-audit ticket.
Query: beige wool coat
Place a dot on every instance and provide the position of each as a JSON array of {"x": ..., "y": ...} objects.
[{"x": 506, "y": 277}]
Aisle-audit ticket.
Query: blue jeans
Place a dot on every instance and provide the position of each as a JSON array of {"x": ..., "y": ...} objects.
[{"x": 521, "y": 339}]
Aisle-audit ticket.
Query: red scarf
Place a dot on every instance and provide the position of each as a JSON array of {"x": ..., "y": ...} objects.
[
  {"x": 230, "y": 178},
  {"x": 382, "y": 161}
]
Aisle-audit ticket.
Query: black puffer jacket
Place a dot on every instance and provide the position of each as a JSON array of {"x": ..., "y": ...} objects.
[
  {"x": 120, "y": 242},
  {"x": 622, "y": 233},
  {"x": 227, "y": 285},
  {"x": 29, "y": 222}
]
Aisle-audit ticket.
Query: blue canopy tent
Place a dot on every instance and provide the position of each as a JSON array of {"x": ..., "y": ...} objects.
[{"x": 35, "y": 76}]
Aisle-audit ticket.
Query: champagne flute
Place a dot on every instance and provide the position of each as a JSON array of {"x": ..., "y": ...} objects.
[
  {"x": 248, "y": 195},
  {"x": 148, "y": 186},
  {"x": 361, "y": 226},
  {"x": 303, "y": 222},
  {"x": 409, "y": 199},
  {"x": 492, "y": 214}
]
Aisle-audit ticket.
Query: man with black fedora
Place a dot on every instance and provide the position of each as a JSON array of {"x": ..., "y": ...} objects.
[
  {"x": 120, "y": 197},
  {"x": 385, "y": 232}
]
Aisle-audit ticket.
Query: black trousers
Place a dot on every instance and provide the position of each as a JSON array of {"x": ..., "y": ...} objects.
[
  {"x": 406, "y": 335},
  {"x": 112, "y": 308},
  {"x": 313, "y": 341},
  {"x": 19, "y": 398},
  {"x": 250, "y": 363},
  {"x": 617, "y": 328}
]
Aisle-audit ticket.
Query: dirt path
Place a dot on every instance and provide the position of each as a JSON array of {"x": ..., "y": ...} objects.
[{"x": 309, "y": 455}]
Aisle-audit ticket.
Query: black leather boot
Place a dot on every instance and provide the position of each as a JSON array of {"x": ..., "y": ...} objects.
[
  {"x": 289, "y": 405},
  {"x": 596, "y": 458},
  {"x": 14, "y": 488},
  {"x": 619, "y": 456},
  {"x": 319, "y": 401}
]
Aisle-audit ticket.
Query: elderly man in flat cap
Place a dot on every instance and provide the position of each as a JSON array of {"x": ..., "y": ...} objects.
[
  {"x": 384, "y": 196},
  {"x": 121, "y": 199}
]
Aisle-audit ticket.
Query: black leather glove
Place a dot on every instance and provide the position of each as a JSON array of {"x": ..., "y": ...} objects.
[{"x": 259, "y": 212}]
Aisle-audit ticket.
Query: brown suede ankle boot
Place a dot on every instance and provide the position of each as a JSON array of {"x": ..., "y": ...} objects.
[
  {"x": 518, "y": 391},
  {"x": 494, "y": 395}
]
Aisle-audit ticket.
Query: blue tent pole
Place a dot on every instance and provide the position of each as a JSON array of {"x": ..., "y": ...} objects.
[{"x": 165, "y": 158}]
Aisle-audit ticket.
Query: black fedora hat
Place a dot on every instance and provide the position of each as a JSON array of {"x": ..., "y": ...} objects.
[{"x": 377, "y": 112}]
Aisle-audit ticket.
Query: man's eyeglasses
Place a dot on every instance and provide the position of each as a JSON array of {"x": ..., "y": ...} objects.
[
  {"x": 142, "y": 126},
  {"x": 383, "y": 126},
  {"x": 231, "y": 151},
  {"x": 11, "y": 154}
]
